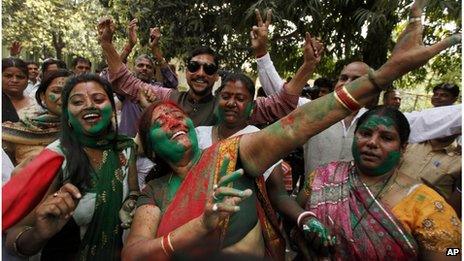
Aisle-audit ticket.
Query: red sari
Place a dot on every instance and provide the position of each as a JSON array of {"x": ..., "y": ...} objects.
[{"x": 190, "y": 199}]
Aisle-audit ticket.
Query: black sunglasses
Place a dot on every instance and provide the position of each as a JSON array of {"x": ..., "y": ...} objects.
[{"x": 208, "y": 68}]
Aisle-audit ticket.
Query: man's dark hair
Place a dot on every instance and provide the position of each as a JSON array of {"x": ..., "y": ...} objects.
[
  {"x": 50, "y": 61},
  {"x": 32, "y": 62},
  {"x": 78, "y": 59},
  {"x": 399, "y": 120},
  {"x": 449, "y": 87},
  {"x": 325, "y": 83},
  {"x": 203, "y": 50},
  {"x": 388, "y": 91}
]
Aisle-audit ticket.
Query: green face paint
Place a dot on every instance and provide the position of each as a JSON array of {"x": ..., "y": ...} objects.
[
  {"x": 387, "y": 165},
  {"x": 393, "y": 157},
  {"x": 52, "y": 97},
  {"x": 219, "y": 113},
  {"x": 374, "y": 121},
  {"x": 96, "y": 129},
  {"x": 171, "y": 150},
  {"x": 249, "y": 109}
]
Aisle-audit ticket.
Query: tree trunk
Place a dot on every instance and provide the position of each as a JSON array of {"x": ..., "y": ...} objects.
[{"x": 58, "y": 44}]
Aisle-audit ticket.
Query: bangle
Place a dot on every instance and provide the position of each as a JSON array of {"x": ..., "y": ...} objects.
[
  {"x": 15, "y": 243},
  {"x": 371, "y": 78},
  {"x": 345, "y": 98},
  {"x": 166, "y": 241},
  {"x": 303, "y": 215}
]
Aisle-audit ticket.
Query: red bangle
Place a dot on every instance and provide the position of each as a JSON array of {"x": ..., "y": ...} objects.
[
  {"x": 345, "y": 98},
  {"x": 166, "y": 245}
]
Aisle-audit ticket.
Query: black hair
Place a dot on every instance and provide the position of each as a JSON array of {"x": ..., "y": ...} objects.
[
  {"x": 449, "y": 87},
  {"x": 32, "y": 62},
  {"x": 15, "y": 62},
  {"x": 232, "y": 77},
  {"x": 388, "y": 91},
  {"x": 78, "y": 166},
  {"x": 51, "y": 61},
  {"x": 203, "y": 50},
  {"x": 399, "y": 120},
  {"x": 324, "y": 82},
  {"x": 78, "y": 59},
  {"x": 47, "y": 81}
]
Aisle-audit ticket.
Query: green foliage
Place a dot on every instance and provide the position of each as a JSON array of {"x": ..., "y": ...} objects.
[{"x": 52, "y": 28}]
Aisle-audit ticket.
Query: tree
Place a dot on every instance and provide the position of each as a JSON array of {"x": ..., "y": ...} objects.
[
  {"x": 351, "y": 29},
  {"x": 52, "y": 28}
]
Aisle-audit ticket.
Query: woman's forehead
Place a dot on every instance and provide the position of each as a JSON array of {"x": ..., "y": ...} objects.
[
  {"x": 375, "y": 121},
  {"x": 165, "y": 109}
]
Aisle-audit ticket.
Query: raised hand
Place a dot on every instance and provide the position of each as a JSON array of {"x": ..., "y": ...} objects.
[
  {"x": 53, "y": 213},
  {"x": 410, "y": 52},
  {"x": 155, "y": 35},
  {"x": 224, "y": 200},
  {"x": 259, "y": 33},
  {"x": 313, "y": 50},
  {"x": 106, "y": 30},
  {"x": 132, "y": 32},
  {"x": 146, "y": 97},
  {"x": 15, "y": 48}
]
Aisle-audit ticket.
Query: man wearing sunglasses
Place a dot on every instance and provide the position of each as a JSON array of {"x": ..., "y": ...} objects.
[{"x": 201, "y": 74}]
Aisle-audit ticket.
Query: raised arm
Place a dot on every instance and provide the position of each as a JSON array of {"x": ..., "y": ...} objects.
[
  {"x": 132, "y": 40},
  {"x": 310, "y": 119},
  {"x": 268, "y": 76},
  {"x": 122, "y": 80},
  {"x": 170, "y": 78},
  {"x": 276, "y": 106}
]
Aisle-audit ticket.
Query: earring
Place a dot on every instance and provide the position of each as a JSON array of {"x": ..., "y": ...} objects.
[{"x": 69, "y": 124}]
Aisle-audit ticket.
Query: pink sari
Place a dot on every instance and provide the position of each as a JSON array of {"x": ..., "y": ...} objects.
[{"x": 365, "y": 229}]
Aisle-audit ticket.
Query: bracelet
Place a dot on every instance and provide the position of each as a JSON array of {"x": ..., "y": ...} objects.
[
  {"x": 15, "y": 243},
  {"x": 166, "y": 241},
  {"x": 303, "y": 215},
  {"x": 345, "y": 98},
  {"x": 370, "y": 77}
]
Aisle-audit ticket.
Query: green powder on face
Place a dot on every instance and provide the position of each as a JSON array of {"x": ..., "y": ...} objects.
[
  {"x": 163, "y": 146},
  {"x": 387, "y": 165},
  {"x": 95, "y": 130},
  {"x": 52, "y": 97},
  {"x": 104, "y": 122},
  {"x": 249, "y": 109},
  {"x": 375, "y": 120},
  {"x": 219, "y": 113}
]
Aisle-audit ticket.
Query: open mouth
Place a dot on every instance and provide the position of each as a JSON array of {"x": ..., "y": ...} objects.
[
  {"x": 91, "y": 117},
  {"x": 177, "y": 134}
]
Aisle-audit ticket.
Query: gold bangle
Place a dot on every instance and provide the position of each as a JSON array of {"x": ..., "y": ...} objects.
[{"x": 15, "y": 243}]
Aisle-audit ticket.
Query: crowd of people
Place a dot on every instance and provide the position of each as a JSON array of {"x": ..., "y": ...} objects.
[{"x": 123, "y": 165}]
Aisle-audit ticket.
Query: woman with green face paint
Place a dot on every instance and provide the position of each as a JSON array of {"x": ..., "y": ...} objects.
[
  {"x": 85, "y": 182},
  {"x": 38, "y": 126},
  {"x": 369, "y": 203},
  {"x": 194, "y": 212}
]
